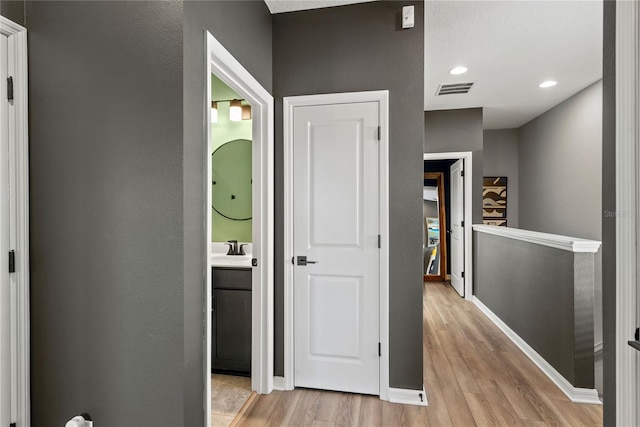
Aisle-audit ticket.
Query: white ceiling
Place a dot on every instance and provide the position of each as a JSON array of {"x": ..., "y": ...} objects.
[
  {"x": 280, "y": 6},
  {"x": 509, "y": 47}
]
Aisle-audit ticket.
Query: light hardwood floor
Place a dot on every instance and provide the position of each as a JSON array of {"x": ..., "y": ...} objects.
[{"x": 473, "y": 375}]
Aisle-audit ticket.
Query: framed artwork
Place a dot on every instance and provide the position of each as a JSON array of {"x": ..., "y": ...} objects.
[{"x": 494, "y": 200}]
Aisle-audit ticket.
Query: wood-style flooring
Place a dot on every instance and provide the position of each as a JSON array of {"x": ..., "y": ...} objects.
[{"x": 473, "y": 376}]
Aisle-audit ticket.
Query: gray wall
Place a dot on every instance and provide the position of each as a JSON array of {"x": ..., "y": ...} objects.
[
  {"x": 244, "y": 28},
  {"x": 560, "y": 162},
  {"x": 357, "y": 48},
  {"x": 500, "y": 158},
  {"x": 555, "y": 317},
  {"x": 458, "y": 130},
  {"x": 609, "y": 204},
  {"x": 13, "y": 10},
  {"x": 106, "y": 212}
]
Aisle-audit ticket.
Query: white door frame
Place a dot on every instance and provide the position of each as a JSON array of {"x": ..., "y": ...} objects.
[
  {"x": 19, "y": 222},
  {"x": 289, "y": 103},
  {"x": 221, "y": 63},
  {"x": 467, "y": 156},
  {"x": 627, "y": 204}
]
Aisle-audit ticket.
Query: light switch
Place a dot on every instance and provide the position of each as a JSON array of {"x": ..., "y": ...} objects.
[{"x": 408, "y": 18}]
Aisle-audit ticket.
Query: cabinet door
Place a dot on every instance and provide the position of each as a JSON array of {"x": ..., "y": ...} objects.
[{"x": 231, "y": 331}]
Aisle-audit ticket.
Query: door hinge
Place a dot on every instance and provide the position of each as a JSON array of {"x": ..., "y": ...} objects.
[
  {"x": 12, "y": 261},
  {"x": 637, "y": 334},
  {"x": 379, "y": 133},
  {"x": 461, "y": 173},
  {"x": 379, "y": 241},
  {"x": 379, "y": 350},
  {"x": 463, "y": 274},
  {"x": 254, "y": 262},
  {"x": 10, "y": 88},
  {"x": 462, "y": 224}
]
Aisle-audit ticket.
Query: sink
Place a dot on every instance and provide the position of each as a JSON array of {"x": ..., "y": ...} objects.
[{"x": 221, "y": 260}]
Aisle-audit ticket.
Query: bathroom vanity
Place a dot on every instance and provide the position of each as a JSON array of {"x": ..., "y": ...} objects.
[{"x": 231, "y": 319}]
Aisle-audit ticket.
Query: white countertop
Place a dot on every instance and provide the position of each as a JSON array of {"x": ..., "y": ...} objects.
[{"x": 219, "y": 257}]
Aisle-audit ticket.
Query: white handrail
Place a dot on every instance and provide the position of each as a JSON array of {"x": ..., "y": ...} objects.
[{"x": 571, "y": 244}]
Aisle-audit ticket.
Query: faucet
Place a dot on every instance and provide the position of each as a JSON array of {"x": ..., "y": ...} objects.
[{"x": 233, "y": 247}]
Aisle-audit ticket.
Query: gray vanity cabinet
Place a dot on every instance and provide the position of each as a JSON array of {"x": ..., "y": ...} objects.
[{"x": 231, "y": 320}]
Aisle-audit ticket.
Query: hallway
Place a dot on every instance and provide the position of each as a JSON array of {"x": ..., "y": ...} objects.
[{"x": 473, "y": 375}]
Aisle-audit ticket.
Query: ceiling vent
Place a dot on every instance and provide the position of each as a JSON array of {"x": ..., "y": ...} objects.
[{"x": 454, "y": 88}]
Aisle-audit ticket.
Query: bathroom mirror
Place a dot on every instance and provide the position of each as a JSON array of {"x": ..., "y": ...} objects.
[
  {"x": 435, "y": 251},
  {"x": 231, "y": 171}
]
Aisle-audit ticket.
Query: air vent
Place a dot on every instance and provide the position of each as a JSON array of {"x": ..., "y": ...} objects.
[{"x": 454, "y": 88}]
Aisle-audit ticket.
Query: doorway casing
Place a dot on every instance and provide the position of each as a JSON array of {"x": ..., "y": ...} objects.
[
  {"x": 467, "y": 157},
  {"x": 221, "y": 63},
  {"x": 627, "y": 203},
  {"x": 19, "y": 221}
]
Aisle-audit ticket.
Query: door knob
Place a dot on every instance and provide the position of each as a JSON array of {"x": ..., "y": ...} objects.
[{"x": 302, "y": 260}]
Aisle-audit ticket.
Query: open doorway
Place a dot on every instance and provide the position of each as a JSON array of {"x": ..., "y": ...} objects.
[
  {"x": 239, "y": 234},
  {"x": 452, "y": 247}
]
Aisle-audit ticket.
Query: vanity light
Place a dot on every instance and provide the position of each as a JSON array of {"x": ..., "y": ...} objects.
[
  {"x": 246, "y": 112},
  {"x": 235, "y": 110},
  {"x": 458, "y": 70},
  {"x": 214, "y": 112},
  {"x": 548, "y": 83}
]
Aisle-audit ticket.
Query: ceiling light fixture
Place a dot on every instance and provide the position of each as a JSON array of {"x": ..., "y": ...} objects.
[
  {"x": 548, "y": 83},
  {"x": 214, "y": 112},
  {"x": 235, "y": 110},
  {"x": 458, "y": 70},
  {"x": 246, "y": 112}
]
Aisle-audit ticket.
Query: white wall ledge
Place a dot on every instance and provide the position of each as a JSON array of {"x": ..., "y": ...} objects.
[{"x": 566, "y": 243}]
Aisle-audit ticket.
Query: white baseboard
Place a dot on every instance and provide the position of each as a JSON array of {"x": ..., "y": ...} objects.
[
  {"x": 575, "y": 394},
  {"x": 408, "y": 397},
  {"x": 278, "y": 383}
]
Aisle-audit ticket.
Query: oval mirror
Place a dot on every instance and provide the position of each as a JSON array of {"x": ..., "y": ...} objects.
[{"x": 231, "y": 171}]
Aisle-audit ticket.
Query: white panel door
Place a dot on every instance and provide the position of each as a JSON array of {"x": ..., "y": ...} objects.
[
  {"x": 457, "y": 229},
  {"x": 5, "y": 286},
  {"x": 336, "y": 225}
]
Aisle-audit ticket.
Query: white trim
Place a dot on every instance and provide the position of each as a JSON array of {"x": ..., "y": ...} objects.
[
  {"x": 278, "y": 383},
  {"x": 221, "y": 63},
  {"x": 408, "y": 397},
  {"x": 627, "y": 170},
  {"x": 575, "y": 394},
  {"x": 566, "y": 243},
  {"x": 597, "y": 348},
  {"x": 468, "y": 215},
  {"x": 19, "y": 236},
  {"x": 382, "y": 97}
]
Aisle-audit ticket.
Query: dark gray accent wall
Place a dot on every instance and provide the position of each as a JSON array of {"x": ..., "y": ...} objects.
[
  {"x": 358, "y": 48},
  {"x": 106, "y": 212},
  {"x": 500, "y": 158},
  {"x": 244, "y": 29},
  {"x": 609, "y": 204},
  {"x": 13, "y": 10},
  {"x": 448, "y": 131},
  {"x": 560, "y": 167},
  {"x": 545, "y": 295}
]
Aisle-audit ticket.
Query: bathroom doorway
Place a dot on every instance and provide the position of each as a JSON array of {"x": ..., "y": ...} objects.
[{"x": 239, "y": 234}]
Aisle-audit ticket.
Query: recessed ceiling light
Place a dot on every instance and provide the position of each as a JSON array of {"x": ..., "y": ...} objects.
[
  {"x": 458, "y": 70},
  {"x": 548, "y": 83}
]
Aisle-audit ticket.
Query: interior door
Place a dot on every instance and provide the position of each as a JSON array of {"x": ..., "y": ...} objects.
[
  {"x": 5, "y": 286},
  {"x": 336, "y": 226},
  {"x": 457, "y": 226}
]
